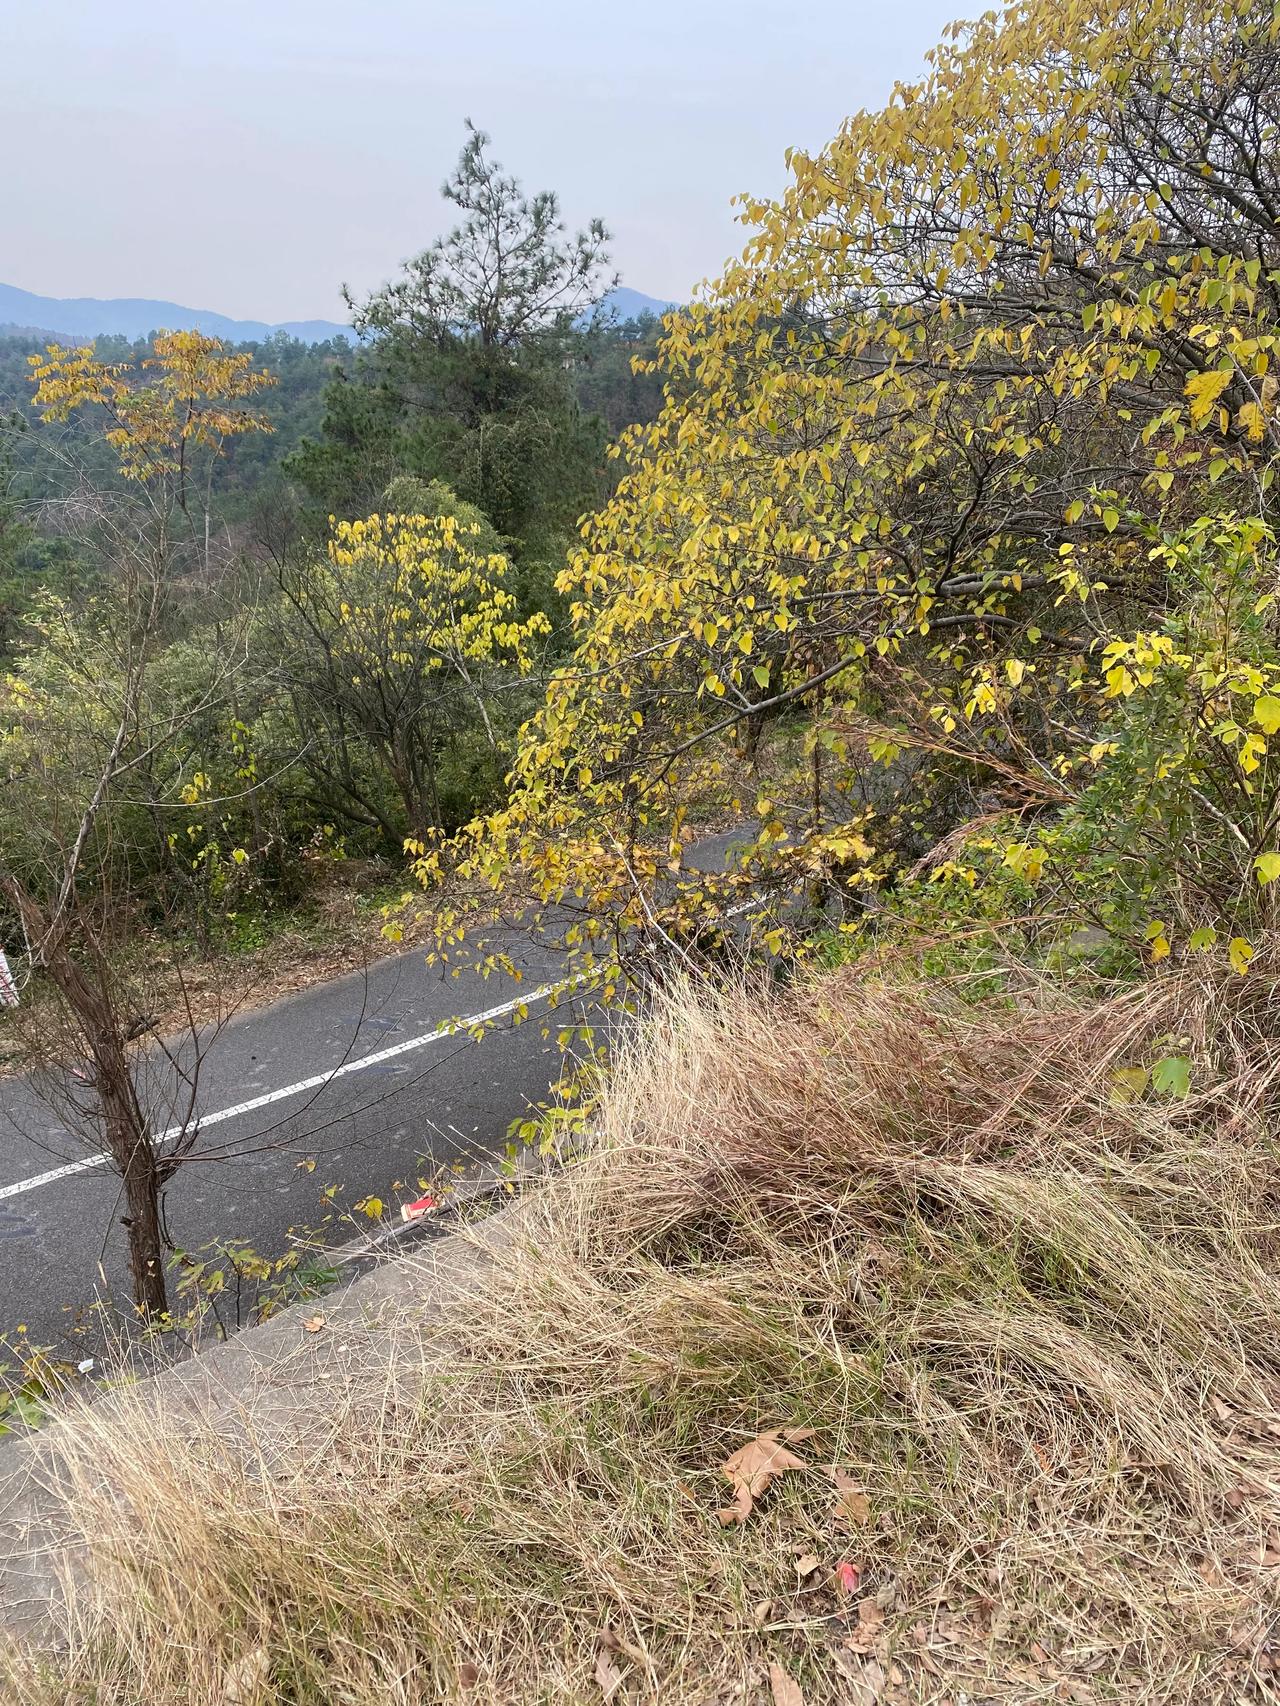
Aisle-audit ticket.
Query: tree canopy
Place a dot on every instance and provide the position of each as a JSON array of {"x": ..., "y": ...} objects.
[
  {"x": 467, "y": 373},
  {"x": 933, "y": 470},
  {"x": 507, "y": 275}
]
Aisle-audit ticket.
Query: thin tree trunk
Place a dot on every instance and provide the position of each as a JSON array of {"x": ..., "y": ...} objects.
[
  {"x": 126, "y": 1135},
  {"x": 751, "y": 727},
  {"x": 142, "y": 1223}
]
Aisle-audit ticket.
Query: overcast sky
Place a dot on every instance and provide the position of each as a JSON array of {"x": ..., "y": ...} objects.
[{"x": 253, "y": 155}]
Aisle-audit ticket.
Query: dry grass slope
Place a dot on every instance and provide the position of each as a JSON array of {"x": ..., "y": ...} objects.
[{"x": 1035, "y": 1334}]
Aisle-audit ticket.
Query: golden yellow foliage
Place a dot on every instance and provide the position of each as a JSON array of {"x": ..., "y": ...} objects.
[
  {"x": 184, "y": 393},
  {"x": 992, "y": 342}
]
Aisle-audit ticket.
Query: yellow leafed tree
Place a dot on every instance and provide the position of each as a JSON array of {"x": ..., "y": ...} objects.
[
  {"x": 920, "y": 447},
  {"x": 188, "y": 391},
  {"x": 189, "y": 395}
]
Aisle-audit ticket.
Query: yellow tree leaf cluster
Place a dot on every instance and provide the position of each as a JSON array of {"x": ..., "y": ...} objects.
[
  {"x": 434, "y": 602},
  {"x": 412, "y": 633},
  {"x": 992, "y": 341},
  {"x": 188, "y": 391}
]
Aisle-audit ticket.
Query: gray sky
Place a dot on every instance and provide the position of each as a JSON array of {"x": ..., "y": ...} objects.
[{"x": 250, "y": 156}]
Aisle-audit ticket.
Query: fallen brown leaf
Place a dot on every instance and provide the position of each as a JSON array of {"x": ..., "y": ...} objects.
[
  {"x": 617, "y": 1642},
  {"x": 608, "y": 1675},
  {"x": 853, "y": 1506},
  {"x": 870, "y": 1612},
  {"x": 468, "y": 1673},
  {"x": 314, "y": 1323},
  {"x": 806, "y": 1564},
  {"x": 786, "y": 1691},
  {"x": 866, "y": 1678},
  {"x": 870, "y": 1617},
  {"x": 753, "y": 1466},
  {"x": 245, "y": 1680}
]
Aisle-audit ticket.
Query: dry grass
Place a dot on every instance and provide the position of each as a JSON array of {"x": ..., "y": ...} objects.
[{"x": 1038, "y": 1331}]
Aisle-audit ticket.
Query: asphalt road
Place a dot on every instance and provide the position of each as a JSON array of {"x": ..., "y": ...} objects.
[{"x": 405, "y": 1104}]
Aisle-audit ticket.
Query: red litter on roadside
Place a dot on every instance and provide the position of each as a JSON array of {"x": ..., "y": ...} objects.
[{"x": 416, "y": 1210}]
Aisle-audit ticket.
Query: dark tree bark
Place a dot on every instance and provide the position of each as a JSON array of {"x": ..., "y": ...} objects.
[{"x": 126, "y": 1131}]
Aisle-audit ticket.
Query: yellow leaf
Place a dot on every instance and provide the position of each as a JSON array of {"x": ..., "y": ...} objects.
[
  {"x": 1128, "y": 1084},
  {"x": 1239, "y": 952},
  {"x": 1204, "y": 389},
  {"x": 1026, "y": 860}
]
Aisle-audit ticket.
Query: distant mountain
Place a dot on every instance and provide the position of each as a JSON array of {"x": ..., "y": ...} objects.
[
  {"x": 87, "y": 317},
  {"x": 627, "y": 304}
]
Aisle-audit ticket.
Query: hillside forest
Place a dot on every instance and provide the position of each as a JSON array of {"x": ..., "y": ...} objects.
[{"x": 932, "y": 545}]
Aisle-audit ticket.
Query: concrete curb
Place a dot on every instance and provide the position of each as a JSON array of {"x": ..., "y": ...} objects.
[{"x": 272, "y": 1387}]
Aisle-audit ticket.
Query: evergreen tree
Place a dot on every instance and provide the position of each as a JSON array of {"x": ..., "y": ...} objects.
[{"x": 467, "y": 372}]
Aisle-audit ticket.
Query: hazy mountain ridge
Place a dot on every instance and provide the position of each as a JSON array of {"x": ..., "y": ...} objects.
[
  {"x": 628, "y": 304},
  {"x": 137, "y": 317}
]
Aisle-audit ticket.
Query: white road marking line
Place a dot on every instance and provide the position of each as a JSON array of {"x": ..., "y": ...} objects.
[{"x": 455, "y": 1027}]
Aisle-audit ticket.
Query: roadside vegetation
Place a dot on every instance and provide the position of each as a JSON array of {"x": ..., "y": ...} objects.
[
  {"x": 904, "y": 1328},
  {"x": 1018, "y": 1339},
  {"x": 226, "y": 675}
]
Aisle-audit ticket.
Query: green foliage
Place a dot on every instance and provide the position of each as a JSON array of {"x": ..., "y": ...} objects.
[
  {"x": 615, "y": 372},
  {"x": 506, "y": 277},
  {"x": 502, "y": 427},
  {"x": 1178, "y": 800},
  {"x": 31, "y": 1379},
  {"x": 475, "y": 370},
  {"x": 1171, "y": 1075},
  {"x": 228, "y": 1284}
]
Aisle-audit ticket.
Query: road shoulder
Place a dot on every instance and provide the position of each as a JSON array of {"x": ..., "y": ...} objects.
[{"x": 274, "y": 1392}]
